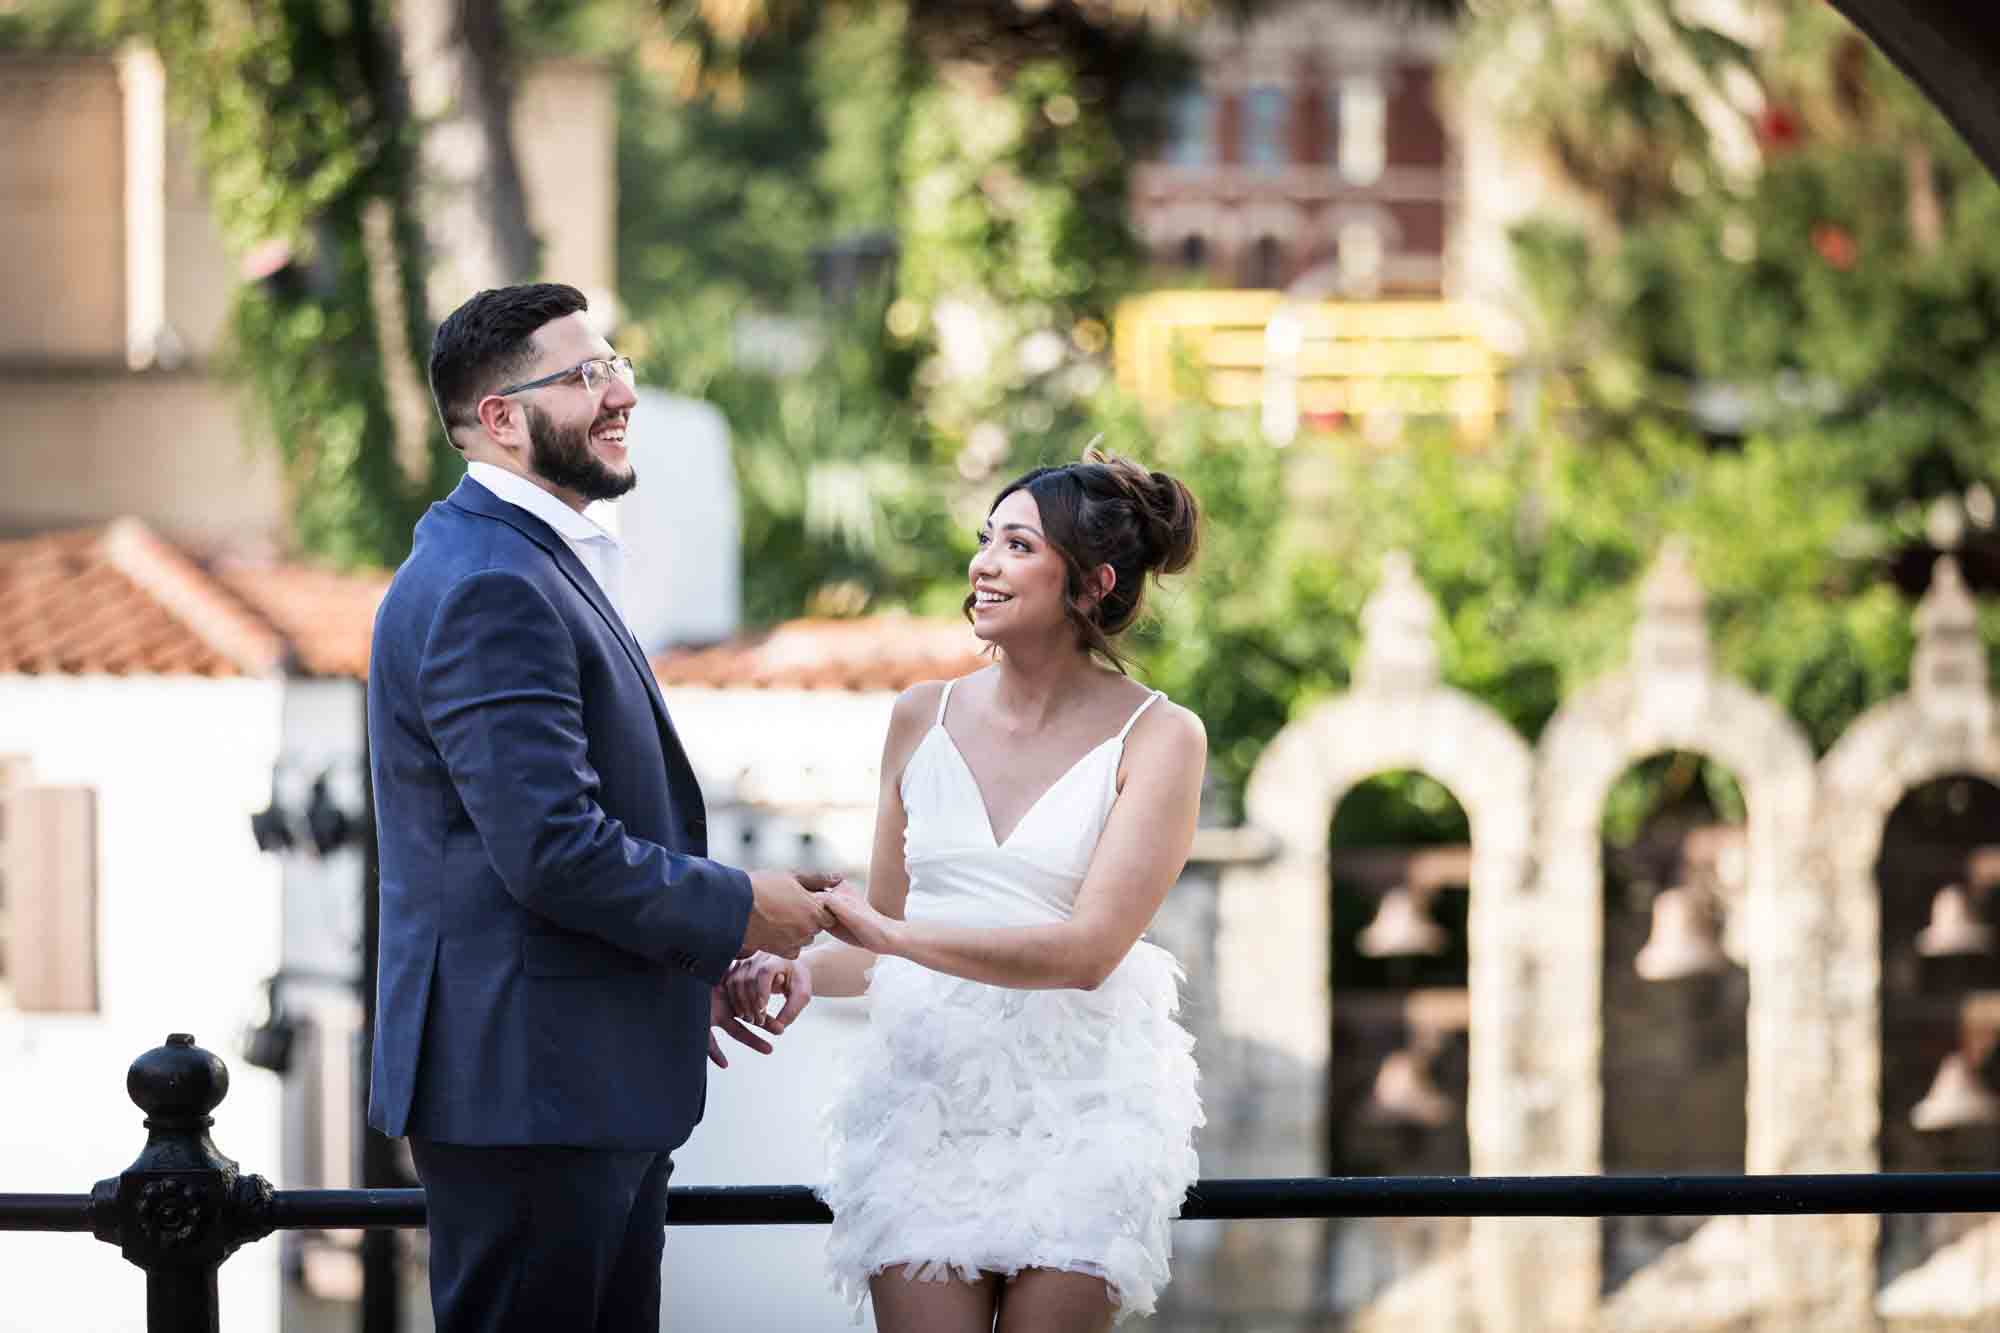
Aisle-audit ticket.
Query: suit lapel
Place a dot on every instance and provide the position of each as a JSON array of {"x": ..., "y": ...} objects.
[{"x": 470, "y": 495}]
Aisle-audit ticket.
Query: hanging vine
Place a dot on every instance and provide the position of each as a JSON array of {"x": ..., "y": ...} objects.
[{"x": 300, "y": 114}]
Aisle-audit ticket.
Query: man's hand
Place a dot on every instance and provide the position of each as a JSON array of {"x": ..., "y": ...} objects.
[
  {"x": 719, "y": 1016},
  {"x": 786, "y": 911},
  {"x": 751, "y": 983}
]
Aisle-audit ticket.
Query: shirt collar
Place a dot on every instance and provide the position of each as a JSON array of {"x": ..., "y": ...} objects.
[{"x": 518, "y": 490}]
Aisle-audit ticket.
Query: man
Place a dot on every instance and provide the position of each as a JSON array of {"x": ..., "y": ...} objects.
[{"x": 552, "y": 931}]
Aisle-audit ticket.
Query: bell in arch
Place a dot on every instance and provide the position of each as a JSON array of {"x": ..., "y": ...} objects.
[
  {"x": 1955, "y": 929},
  {"x": 1402, "y": 927},
  {"x": 1957, "y": 1099},
  {"x": 1682, "y": 942},
  {"x": 1404, "y": 1093}
]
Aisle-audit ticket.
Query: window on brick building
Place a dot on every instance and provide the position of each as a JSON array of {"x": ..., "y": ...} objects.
[
  {"x": 1363, "y": 118},
  {"x": 48, "y": 895},
  {"x": 1190, "y": 137},
  {"x": 1264, "y": 146},
  {"x": 1266, "y": 263},
  {"x": 1193, "y": 251}
]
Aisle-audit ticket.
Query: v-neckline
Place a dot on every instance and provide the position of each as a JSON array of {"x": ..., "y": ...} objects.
[{"x": 986, "y": 810}]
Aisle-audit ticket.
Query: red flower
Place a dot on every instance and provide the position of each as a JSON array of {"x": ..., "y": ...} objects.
[
  {"x": 1778, "y": 129},
  {"x": 1835, "y": 244}
]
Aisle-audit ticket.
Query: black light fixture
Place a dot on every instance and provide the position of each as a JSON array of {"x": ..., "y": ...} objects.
[
  {"x": 271, "y": 827},
  {"x": 268, "y": 1045},
  {"x": 322, "y": 827},
  {"x": 330, "y": 826}
]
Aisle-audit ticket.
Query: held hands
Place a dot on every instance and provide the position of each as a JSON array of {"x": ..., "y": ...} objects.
[
  {"x": 744, "y": 997},
  {"x": 855, "y": 922},
  {"x": 786, "y": 910}
]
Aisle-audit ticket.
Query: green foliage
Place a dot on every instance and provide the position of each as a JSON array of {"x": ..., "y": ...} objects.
[
  {"x": 1783, "y": 350},
  {"x": 1013, "y": 233},
  {"x": 52, "y": 25},
  {"x": 863, "y": 474},
  {"x": 717, "y": 209},
  {"x": 1533, "y": 554},
  {"x": 862, "y": 78},
  {"x": 842, "y": 507},
  {"x": 294, "y": 104},
  {"x": 1004, "y": 195},
  {"x": 1676, "y": 782},
  {"x": 1401, "y": 809},
  {"x": 1868, "y": 382},
  {"x": 1811, "y": 305},
  {"x": 1841, "y": 290}
]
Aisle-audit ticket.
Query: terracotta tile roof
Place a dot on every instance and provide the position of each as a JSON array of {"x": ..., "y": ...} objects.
[
  {"x": 873, "y": 653},
  {"x": 327, "y": 618},
  {"x": 121, "y": 600}
]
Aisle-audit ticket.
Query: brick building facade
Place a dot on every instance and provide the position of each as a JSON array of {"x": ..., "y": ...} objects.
[{"x": 1311, "y": 147}]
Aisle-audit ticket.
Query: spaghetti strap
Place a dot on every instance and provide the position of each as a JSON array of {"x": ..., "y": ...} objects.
[
  {"x": 943, "y": 700},
  {"x": 1150, "y": 700}
]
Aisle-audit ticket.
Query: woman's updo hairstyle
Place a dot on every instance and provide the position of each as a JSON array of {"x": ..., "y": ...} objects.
[{"x": 1107, "y": 510}]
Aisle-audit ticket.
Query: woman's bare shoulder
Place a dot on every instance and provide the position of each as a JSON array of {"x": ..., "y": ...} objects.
[
  {"x": 917, "y": 706},
  {"x": 912, "y": 715},
  {"x": 1169, "y": 731}
]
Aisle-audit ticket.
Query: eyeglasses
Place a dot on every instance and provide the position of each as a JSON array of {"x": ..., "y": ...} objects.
[{"x": 595, "y": 374}]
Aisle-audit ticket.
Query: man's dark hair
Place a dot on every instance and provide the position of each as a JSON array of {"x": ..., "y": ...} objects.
[{"x": 486, "y": 342}]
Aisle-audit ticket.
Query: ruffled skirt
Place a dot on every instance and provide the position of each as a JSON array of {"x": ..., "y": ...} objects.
[{"x": 983, "y": 1129}]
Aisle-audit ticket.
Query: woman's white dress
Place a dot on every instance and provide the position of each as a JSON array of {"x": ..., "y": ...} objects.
[{"x": 984, "y": 1129}]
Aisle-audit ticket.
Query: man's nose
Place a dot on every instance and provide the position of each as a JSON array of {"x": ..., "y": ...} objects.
[{"x": 620, "y": 396}]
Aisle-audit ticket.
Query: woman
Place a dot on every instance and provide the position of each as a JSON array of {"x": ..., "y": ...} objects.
[{"x": 1016, "y": 1135}]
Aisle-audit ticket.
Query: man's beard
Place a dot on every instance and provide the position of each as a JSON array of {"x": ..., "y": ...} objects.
[{"x": 561, "y": 454}]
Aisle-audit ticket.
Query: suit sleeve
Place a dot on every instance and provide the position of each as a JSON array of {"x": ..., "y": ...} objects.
[{"x": 499, "y": 689}]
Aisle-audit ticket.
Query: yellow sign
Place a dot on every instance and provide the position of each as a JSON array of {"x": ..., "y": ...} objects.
[{"x": 1317, "y": 362}]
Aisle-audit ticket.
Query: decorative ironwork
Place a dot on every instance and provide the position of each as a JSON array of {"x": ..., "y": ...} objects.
[
  {"x": 182, "y": 1208},
  {"x": 169, "y": 1212}
]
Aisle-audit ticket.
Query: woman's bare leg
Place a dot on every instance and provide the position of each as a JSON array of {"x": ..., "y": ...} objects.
[
  {"x": 903, "y": 1305},
  {"x": 1047, "y": 1300}
]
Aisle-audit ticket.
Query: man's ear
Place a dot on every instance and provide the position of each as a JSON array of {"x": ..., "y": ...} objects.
[{"x": 503, "y": 419}]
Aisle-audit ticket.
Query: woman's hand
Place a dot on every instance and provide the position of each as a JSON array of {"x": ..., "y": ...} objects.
[
  {"x": 858, "y": 924},
  {"x": 751, "y": 983}
]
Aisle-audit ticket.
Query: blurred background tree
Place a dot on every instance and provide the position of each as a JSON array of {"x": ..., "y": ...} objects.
[
  {"x": 1780, "y": 238},
  {"x": 887, "y": 239}
]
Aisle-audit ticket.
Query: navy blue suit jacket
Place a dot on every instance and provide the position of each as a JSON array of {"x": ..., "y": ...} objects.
[{"x": 551, "y": 924}]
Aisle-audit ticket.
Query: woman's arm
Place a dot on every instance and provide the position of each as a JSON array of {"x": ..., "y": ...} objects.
[
  {"x": 835, "y": 968},
  {"x": 1144, "y": 846}
]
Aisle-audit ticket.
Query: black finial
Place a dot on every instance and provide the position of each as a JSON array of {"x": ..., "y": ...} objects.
[{"x": 177, "y": 1084}]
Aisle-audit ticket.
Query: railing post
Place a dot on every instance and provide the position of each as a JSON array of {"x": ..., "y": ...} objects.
[{"x": 182, "y": 1207}]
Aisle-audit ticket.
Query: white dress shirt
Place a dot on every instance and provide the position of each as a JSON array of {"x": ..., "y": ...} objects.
[{"x": 597, "y": 549}]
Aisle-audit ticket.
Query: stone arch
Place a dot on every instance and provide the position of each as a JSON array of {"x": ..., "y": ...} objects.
[
  {"x": 1272, "y": 943},
  {"x": 1942, "y": 727},
  {"x": 1669, "y": 698}
]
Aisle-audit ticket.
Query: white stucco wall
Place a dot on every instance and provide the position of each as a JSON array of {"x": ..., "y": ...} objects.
[
  {"x": 188, "y": 923},
  {"x": 785, "y": 762},
  {"x": 795, "y": 761},
  {"x": 762, "y": 1127},
  {"x": 681, "y": 526}
]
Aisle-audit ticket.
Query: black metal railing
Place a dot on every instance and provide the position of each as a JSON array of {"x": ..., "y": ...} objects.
[{"x": 182, "y": 1208}]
